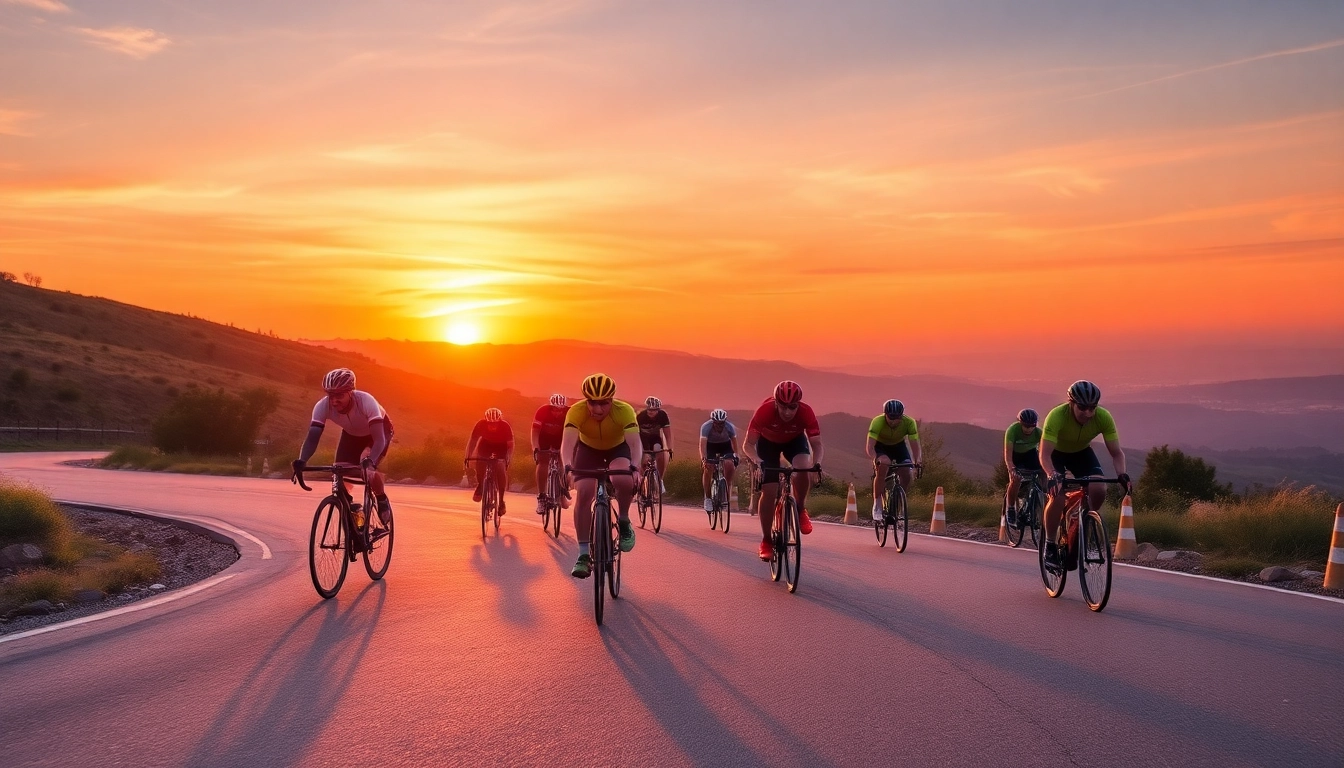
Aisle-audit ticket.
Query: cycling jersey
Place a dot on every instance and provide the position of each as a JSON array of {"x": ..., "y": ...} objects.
[
  {"x": 768, "y": 423},
  {"x": 607, "y": 433},
  {"x": 496, "y": 432},
  {"x": 1071, "y": 437},
  {"x": 357, "y": 421},
  {"x": 551, "y": 422},
  {"x": 1022, "y": 443},
  {"x": 718, "y": 432},
  {"x": 888, "y": 434},
  {"x": 652, "y": 426}
]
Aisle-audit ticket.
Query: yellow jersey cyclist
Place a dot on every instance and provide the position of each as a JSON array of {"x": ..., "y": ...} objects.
[
  {"x": 1066, "y": 439},
  {"x": 491, "y": 440},
  {"x": 718, "y": 440},
  {"x": 600, "y": 433},
  {"x": 366, "y": 431},
  {"x": 893, "y": 436},
  {"x": 1021, "y": 451},
  {"x": 655, "y": 433}
]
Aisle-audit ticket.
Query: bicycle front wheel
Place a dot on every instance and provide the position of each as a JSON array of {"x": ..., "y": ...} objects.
[
  {"x": 1094, "y": 562},
  {"x": 656, "y": 500},
  {"x": 379, "y": 535},
  {"x": 487, "y": 501},
  {"x": 614, "y": 566},
  {"x": 328, "y": 547},
  {"x": 601, "y": 542},
  {"x": 1053, "y": 572},
  {"x": 793, "y": 546},
  {"x": 777, "y": 540},
  {"x": 900, "y": 524},
  {"x": 1034, "y": 514},
  {"x": 725, "y": 507},
  {"x": 1015, "y": 527}
]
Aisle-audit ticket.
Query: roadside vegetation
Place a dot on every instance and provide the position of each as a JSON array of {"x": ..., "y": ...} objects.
[{"x": 71, "y": 561}]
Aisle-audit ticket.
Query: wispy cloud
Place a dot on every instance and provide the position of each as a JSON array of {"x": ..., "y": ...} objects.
[
  {"x": 1223, "y": 65},
  {"x": 10, "y": 119},
  {"x": 136, "y": 42},
  {"x": 50, "y": 6}
]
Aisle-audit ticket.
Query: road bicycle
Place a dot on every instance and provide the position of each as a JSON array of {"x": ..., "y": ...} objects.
[
  {"x": 649, "y": 494},
  {"x": 1080, "y": 543},
  {"x": 555, "y": 493},
  {"x": 343, "y": 530},
  {"x": 1030, "y": 508},
  {"x": 719, "y": 514},
  {"x": 785, "y": 535},
  {"x": 896, "y": 507},
  {"x": 490, "y": 497},
  {"x": 605, "y": 538}
]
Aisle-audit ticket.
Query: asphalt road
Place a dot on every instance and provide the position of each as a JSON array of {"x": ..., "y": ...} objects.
[{"x": 485, "y": 652}]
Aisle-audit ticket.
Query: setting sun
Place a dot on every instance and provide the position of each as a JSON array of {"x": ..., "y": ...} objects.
[{"x": 463, "y": 332}]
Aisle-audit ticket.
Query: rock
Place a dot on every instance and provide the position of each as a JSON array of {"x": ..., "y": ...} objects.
[
  {"x": 1178, "y": 554},
  {"x": 432, "y": 480},
  {"x": 1311, "y": 574},
  {"x": 516, "y": 487},
  {"x": 1277, "y": 573},
  {"x": 158, "y": 587},
  {"x": 88, "y": 596},
  {"x": 35, "y": 608},
  {"x": 21, "y": 554},
  {"x": 408, "y": 481},
  {"x": 1146, "y": 551}
]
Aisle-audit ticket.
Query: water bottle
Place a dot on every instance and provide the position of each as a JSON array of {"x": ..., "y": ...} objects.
[{"x": 359, "y": 516}]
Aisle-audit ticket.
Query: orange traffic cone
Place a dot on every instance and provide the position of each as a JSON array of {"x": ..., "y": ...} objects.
[
  {"x": 851, "y": 508},
  {"x": 265, "y": 466},
  {"x": 1003, "y": 527},
  {"x": 939, "y": 524},
  {"x": 1334, "y": 567},
  {"x": 1125, "y": 543}
]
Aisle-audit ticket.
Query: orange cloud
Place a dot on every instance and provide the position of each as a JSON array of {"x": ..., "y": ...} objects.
[
  {"x": 136, "y": 42},
  {"x": 50, "y": 6}
]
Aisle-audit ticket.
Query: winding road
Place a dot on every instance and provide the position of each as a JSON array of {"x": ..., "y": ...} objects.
[{"x": 477, "y": 652}]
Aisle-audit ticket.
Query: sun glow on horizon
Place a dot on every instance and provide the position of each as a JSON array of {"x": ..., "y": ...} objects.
[{"x": 464, "y": 332}]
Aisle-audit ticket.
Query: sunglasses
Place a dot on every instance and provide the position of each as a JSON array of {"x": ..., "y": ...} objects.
[
  {"x": 786, "y": 406},
  {"x": 599, "y": 403},
  {"x": 1085, "y": 407}
]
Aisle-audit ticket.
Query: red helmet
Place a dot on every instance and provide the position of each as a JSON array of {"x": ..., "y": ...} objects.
[{"x": 788, "y": 392}]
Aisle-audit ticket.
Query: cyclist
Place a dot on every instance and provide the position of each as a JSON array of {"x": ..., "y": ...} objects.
[
  {"x": 548, "y": 427},
  {"x": 365, "y": 427},
  {"x": 892, "y": 436},
  {"x": 491, "y": 440},
  {"x": 718, "y": 439},
  {"x": 1021, "y": 450},
  {"x": 1065, "y": 446},
  {"x": 783, "y": 426},
  {"x": 600, "y": 432},
  {"x": 655, "y": 432}
]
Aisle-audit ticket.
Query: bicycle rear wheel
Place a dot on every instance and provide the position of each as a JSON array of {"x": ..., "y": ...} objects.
[
  {"x": 1094, "y": 561},
  {"x": 487, "y": 502},
  {"x": 656, "y": 499},
  {"x": 725, "y": 506},
  {"x": 713, "y": 512},
  {"x": 379, "y": 535},
  {"x": 1033, "y": 513},
  {"x": 614, "y": 547},
  {"x": 1053, "y": 572},
  {"x": 793, "y": 545},
  {"x": 499, "y": 499},
  {"x": 328, "y": 547},
  {"x": 900, "y": 524},
  {"x": 882, "y": 524},
  {"x": 777, "y": 541},
  {"x": 601, "y": 542},
  {"x": 1014, "y": 527}
]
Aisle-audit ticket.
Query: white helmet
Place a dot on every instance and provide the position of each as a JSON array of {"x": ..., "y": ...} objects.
[
  {"x": 652, "y": 402},
  {"x": 718, "y": 414},
  {"x": 559, "y": 401},
  {"x": 339, "y": 380},
  {"x": 493, "y": 414}
]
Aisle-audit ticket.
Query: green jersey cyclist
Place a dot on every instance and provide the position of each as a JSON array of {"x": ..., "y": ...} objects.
[{"x": 893, "y": 436}]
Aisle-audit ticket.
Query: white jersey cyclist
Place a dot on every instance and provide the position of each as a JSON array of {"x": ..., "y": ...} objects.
[{"x": 364, "y": 410}]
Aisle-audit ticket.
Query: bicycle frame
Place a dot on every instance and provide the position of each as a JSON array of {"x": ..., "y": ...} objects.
[
  {"x": 785, "y": 537},
  {"x": 605, "y": 549},
  {"x": 1080, "y": 542}
]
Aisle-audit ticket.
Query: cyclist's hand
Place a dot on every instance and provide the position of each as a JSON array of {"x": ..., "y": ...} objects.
[
  {"x": 1055, "y": 482},
  {"x": 1126, "y": 482},
  {"x": 298, "y": 465},
  {"x": 535, "y": 455},
  {"x": 368, "y": 466},
  {"x": 736, "y": 461}
]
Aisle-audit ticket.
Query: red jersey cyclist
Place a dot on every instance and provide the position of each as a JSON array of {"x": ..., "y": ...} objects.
[
  {"x": 600, "y": 433},
  {"x": 892, "y": 436},
  {"x": 366, "y": 431},
  {"x": 548, "y": 427},
  {"x": 491, "y": 440},
  {"x": 655, "y": 433},
  {"x": 718, "y": 440},
  {"x": 783, "y": 427}
]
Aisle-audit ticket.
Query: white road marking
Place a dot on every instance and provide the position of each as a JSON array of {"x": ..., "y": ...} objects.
[{"x": 203, "y": 521}]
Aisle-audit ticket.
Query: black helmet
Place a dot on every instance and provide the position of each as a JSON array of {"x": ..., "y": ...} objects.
[
  {"x": 894, "y": 409},
  {"x": 1028, "y": 416},
  {"x": 1085, "y": 394}
]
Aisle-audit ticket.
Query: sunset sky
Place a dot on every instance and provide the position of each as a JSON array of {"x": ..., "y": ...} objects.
[{"x": 756, "y": 179}]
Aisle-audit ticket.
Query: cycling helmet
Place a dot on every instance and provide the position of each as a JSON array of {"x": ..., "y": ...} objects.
[
  {"x": 652, "y": 402},
  {"x": 788, "y": 393},
  {"x": 1085, "y": 394},
  {"x": 718, "y": 414},
  {"x": 493, "y": 414},
  {"x": 894, "y": 409},
  {"x": 559, "y": 401},
  {"x": 599, "y": 386},
  {"x": 1028, "y": 416},
  {"x": 339, "y": 380}
]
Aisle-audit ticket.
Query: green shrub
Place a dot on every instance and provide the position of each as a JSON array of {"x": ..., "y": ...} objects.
[
  {"x": 213, "y": 423},
  {"x": 28, "y": 515},
  {"x": 37, "y": 584},
  {"x": 127, "y": 569},
  {"x": 1163, "y": 528},
  {"x": 1290, "y": 524}
]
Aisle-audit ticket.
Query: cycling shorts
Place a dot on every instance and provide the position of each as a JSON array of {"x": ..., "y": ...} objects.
[
  {"x": 897, "y": 452},
  {"x": 351, "y": 448},
  {"x": 770, "y": 455},
  {"x": 589, "y": 458},
  {"x": 651, "y": 442},
  {"x": 486, "y": 448},
  {"x": 545, "y": 443},
  {"x": 718, "y": 450},
  {"x": 1079, "y": 464},
  {"x": 1029, "y": 461}
]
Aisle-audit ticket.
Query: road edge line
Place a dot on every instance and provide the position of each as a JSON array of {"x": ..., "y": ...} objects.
[{"x": 203, "y": 526}]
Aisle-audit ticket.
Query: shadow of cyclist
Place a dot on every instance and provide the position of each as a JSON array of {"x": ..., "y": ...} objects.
[
  {"x": 499, "y": 561},
  {"x": 285, "y": 700}
]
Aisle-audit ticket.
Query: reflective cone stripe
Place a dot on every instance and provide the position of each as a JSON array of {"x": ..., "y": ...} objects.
[
  {"x": 1334, "y": 567},
  {"x": 851, "y": 508},
  {"x": 1003, "y": 527},
  {"x": 1125, "y": 543},
  {"x": 939, "y": 524}
]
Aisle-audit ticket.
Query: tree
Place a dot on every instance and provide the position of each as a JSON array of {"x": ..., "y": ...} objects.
[
  {"x": 7, "y": 277},
  {"x": 33, "y": 280},
  {"x": 1171, "y": 479},
  {"x": 213, "y": 422}
]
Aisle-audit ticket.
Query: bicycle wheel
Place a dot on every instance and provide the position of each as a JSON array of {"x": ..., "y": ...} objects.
[
  {"x": 880, "y": 528},
  {"x": 713, "y": 512},
  {"x": 487, "y": 493},
  {"x": 614, "y": 547},
  {"x": 725, "y": 506},
  {"x": 1015, "y": 528},
  {"x": 642, "y": 499},
  {"x": 379, "y": 535},
  {"x": 328, "y": 545},
  {"x": 1033, "y": 517},
  {"x": 499, "y": 499},
  {"x": 656, "y": 500},
  {"x": 601, "y": 541},
  {"x": 1094, "y": 561},
  {"x": 900, "y": 525},
  {"x": 1053, "y": 572},
  {"x": 793, "y": 545},
  {"x": 777, "y": 540}
]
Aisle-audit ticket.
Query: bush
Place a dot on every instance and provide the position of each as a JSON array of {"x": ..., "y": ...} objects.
[
  {"x": 1290, "y": 524},
  {"x": 1172, "y": 480},
  {"x": 30, "y": 516},
  {"x": 213, "y": 423}
]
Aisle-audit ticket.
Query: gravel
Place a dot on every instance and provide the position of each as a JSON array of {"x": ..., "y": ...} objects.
[{"x": 185, "y": 557}]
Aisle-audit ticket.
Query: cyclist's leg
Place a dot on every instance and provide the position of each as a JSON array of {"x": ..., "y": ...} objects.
[
  {"x": 706, "y": 478},
  {"x": 660, "y": 459},
  {"x": 799, "y": 455},
  {"x": 350, "y": 450},
  {"x": 541, "y": 471},
  {"x": 768, "y": 455},
  {"x": 1054, "y": 504},
  {"x": 880, "y": 464},
  {"x": 900, "y": 453}
]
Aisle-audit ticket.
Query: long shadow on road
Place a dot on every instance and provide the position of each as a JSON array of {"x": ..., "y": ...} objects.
[
  {"x": 287, "y": 697},
  {"x": 499, "y": 561}
]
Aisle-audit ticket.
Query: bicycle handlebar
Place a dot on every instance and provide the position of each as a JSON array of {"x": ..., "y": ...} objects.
[
  {"x": 1080, "y": 482},
  {"x": 599, "y": 474},
  {"x": 919, "y": 468},
  {"x": 341, "y": 469}
]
